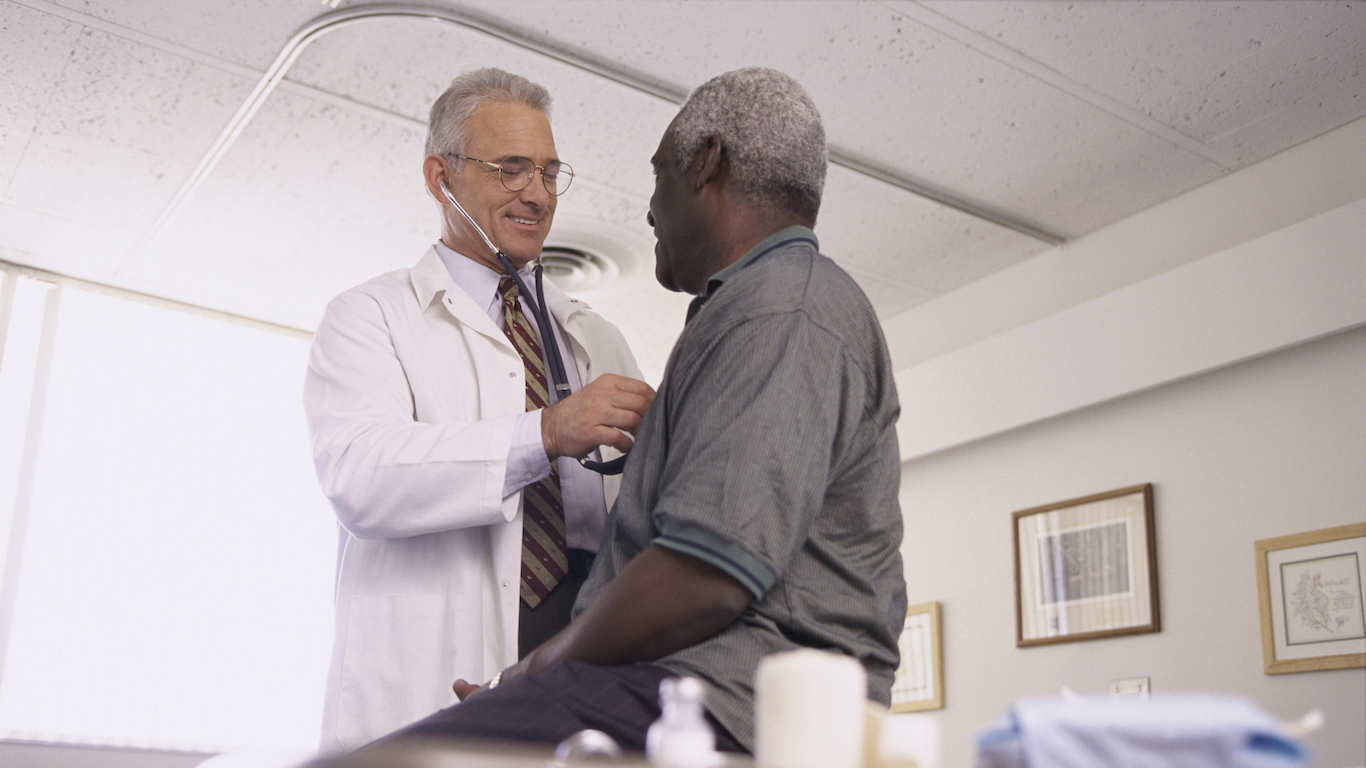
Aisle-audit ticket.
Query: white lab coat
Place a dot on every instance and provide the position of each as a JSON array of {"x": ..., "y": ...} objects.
[{"x": 411, "y": 394}]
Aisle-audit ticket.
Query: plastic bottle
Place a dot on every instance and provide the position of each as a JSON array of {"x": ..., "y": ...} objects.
[{"x": 681, "y": 737}]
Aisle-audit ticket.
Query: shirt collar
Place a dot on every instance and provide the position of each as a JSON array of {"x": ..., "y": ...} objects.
[
  {"x": 475, "y": 279},
  {"x": 779, "y": 239}
]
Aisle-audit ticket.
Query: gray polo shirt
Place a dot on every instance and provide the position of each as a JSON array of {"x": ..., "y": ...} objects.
[{"x": 770, "y": 452}]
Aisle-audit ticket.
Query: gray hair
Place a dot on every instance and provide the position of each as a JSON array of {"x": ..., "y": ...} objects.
[
  {"x": 771, "y": 131},
  {"x": 448, "y": 124}
]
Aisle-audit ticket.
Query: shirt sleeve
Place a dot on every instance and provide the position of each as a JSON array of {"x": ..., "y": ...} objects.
[
  {"x": 527, "y": 459},
  {"x": 729, "y": 557},
  {"x": 754, "y": 415}
]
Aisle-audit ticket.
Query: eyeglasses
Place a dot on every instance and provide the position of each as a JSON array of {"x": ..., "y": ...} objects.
[{"x": 516, "y": 173}]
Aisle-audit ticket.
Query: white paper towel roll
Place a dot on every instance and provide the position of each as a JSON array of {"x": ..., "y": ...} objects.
[{"x": 809, "y": 711}]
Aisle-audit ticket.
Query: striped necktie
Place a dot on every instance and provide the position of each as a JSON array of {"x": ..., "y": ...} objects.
[{"x": 544, "y": 550}]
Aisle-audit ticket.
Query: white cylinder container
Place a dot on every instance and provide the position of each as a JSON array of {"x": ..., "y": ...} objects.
[{"x": 809, "y": 711}]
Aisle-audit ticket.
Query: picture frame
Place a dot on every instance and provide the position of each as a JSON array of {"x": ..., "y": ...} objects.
[
  {"x": 1310, "y": 589},
  {"x": 1086, "y": 568},
  {"x": 919, "y": 681}
]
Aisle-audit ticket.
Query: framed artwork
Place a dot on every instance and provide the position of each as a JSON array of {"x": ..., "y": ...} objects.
[
  {"x": 1086, "y": 568},
  {"x": 1310, "y": 589},
  {"x": 919, "y": 682}
]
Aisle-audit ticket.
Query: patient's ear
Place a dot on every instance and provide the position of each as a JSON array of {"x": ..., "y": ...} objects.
[{"x": 713, "y": 162}]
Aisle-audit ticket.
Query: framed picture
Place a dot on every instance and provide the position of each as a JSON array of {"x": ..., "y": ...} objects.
[
  {"x": 1086, "y": 568},
  {"x": 919, "y": 682},
  {"x": 1310, "y": 589}
]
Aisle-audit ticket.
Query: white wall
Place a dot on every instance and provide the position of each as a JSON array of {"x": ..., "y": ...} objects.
[
  {"x": 1298, "y": 184},
  {"x": 1298, "y": 283},
  {"x": 1234, "y": 381},
  {"x": 1266, "y": 448}
]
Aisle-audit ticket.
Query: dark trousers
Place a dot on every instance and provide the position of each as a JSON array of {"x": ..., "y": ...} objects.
[
  {"x": 549, "y": 707},
  {"x": 539, "y": 624}
]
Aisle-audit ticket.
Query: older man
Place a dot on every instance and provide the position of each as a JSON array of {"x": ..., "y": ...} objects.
[
  {"x": 759, "y": 508},
  {"x": 466, "y": 526}
]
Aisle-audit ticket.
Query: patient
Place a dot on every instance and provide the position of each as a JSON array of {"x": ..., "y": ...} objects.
[{"x": 758, "y": 512}]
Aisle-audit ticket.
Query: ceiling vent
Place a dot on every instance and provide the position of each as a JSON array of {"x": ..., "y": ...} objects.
[
  {"x": 584, "y": 254},
  {"x": 574, "y": 269}
]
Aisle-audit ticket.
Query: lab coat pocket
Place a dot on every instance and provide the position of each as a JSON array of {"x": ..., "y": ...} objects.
[{"x": 397, "y": 666}]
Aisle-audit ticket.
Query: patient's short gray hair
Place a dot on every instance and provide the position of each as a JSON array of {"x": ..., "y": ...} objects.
[
  {"x": 448, "y": 124},
  {"x": 770, "y": 130}
]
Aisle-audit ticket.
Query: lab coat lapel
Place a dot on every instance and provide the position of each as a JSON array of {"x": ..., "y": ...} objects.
[
  {"x": 566, "y": 310},
  {"x": 431, "y": 281}
]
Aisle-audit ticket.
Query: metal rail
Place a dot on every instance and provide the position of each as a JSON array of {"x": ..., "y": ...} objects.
[{"x": 343, "y": 17}]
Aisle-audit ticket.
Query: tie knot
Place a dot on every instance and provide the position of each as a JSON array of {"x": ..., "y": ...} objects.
[{"x": 507, "y": 288}]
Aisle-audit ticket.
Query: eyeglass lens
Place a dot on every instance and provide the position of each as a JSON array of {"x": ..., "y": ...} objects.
[{"x": 516, "y": 173}]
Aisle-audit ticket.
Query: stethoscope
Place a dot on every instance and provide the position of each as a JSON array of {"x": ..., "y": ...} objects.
[{"x": 550, "y": 350}]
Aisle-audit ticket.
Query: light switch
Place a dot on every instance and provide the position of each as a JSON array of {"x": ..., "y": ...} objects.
[{"x": 1130, "y": 686}]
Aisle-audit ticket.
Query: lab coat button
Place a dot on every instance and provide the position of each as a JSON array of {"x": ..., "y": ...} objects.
[{"x": 505, "y": 584}]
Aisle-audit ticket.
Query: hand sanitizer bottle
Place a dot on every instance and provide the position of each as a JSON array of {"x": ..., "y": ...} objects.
[{"x": 681, "y": 737}]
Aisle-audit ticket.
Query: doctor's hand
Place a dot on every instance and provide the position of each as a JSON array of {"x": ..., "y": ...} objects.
[
  {"x": 606, "y": 412},
  {"x": 464, "y": 689}
]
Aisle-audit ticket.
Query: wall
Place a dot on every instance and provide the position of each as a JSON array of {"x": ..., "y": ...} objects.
[
  {"x": 1234, "y": 381},
  {"x": 1301, "y": 282},
  {"x": 1304, "y": 181},
  {"x": 1270, "y": 447}
]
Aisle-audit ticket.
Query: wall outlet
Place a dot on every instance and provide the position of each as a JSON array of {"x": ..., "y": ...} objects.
[{"x": 1130, "y": 686}]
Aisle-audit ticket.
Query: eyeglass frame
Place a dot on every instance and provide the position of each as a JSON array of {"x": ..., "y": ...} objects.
[{"x": 498, "y": 166}]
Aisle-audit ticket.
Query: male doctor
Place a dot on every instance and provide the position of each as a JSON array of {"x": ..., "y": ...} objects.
[{"x": 431, "y": 427}]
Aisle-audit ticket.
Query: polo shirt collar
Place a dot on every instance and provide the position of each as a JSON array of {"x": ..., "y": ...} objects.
[{"x": 773, "y": 242}]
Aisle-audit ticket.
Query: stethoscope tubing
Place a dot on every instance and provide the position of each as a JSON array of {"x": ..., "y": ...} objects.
[{"x": 550, "y": 349}]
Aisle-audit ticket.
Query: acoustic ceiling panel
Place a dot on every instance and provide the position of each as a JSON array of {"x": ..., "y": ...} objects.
[
  {"x": 1063, "y": 116},
  {"x": 1214, "y": 71}
]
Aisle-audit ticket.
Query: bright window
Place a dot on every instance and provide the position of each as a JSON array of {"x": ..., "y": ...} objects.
[{"x": 174, "y": 555}]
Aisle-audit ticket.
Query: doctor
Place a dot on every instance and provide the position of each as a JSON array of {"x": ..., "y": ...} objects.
[
  {"x": 427, "y": 436},
  {"x": 759, "y": 510}
]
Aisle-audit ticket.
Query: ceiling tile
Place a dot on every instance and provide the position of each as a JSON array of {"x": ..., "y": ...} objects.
[
  {"x": 245, "y": 32},
  {"x": 398, "y": 65},
  {"x": 122, "y": 126},
  {"x": 368, "y": 62},
  {"x": 888, "y": 296},
  {"x": 37, "y": 48},
  {"x": 309, "y": 194},
  {"x": 1062, "y": 115},
  {"x": 1098, "y": 176},
  {"x": 901, "y": 95},
  {"x": 873, "y": 228},
  {"x": 686, "y": 42},
  {"x": 118, "y": 91},
  {"x": 1207, "y": 69}
]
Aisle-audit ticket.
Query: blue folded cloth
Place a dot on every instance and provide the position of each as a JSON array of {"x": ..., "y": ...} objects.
[{"x": 1164, "y": 731}]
